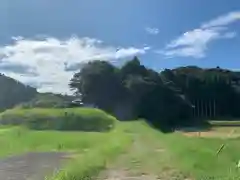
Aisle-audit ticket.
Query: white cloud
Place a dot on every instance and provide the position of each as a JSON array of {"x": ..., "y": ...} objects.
[
  {"x": 46, "y": 60},
  {"x": 229, "y": 35},
  {"x": 194, "y": 43},
  {"x": 196, "y": 37},
  {"x": 223, "y": 20},
  {"x": 152, "y": 31}
]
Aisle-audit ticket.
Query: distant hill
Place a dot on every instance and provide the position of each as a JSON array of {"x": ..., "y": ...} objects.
[
  {"x": 47, "y": 100},
  {"x": 12, "y": 92}
]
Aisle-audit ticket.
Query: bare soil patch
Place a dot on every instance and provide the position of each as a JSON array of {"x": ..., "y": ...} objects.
[
  {"x": 212, "y": 133},
  {"x": 34, "y": 166}
]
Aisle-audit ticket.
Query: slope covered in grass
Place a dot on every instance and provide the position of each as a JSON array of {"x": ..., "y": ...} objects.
[{"x": 85, "y": 119}]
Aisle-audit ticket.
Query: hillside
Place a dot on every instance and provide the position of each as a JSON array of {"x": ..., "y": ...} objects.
[
  {"x": 47, "y": 100},
  {"x": 13, "y": 92}
]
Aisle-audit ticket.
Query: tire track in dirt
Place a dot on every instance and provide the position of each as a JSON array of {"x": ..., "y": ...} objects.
[{"x": 141, "y": 162}]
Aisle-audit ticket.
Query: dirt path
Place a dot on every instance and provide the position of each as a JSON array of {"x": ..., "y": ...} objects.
[
  {"x": 31, "y": 166},
  {"x": 145, "y": 160}
]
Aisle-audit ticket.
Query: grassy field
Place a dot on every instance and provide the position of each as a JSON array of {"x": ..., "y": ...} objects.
[
  {"x": 225, "y": 123},
  {"x": 91, "y": 149},
  {"x": 198, "y": 156},
  {"x": 187, "y": 157},
  {"x": 132, "y": 149}
]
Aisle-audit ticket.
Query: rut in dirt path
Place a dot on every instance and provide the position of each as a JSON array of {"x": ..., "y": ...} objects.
[
  {"x": 145, "y": 160},
  {"x": 31, "y": 166}
]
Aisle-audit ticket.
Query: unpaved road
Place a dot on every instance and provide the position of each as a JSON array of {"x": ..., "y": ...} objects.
[
  {"x": 145, "y": 160},
  {"x": 31, "y": 166}
]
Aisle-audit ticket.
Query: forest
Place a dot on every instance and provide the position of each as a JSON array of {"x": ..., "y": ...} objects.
[{"x": 169, "y": 98}]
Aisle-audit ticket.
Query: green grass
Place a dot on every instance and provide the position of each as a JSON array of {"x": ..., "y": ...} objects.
[
  {"x": 168, "y": 156},
  {"x": 190, "y": 157},
  {"x": 197, "y": 157},
  {"x": 85, "y": 119},
  {"x": 225, "y": 123},
  {"x": 88, "y": 165},
  {"x": 92, "y": 150},
  {"x": 17, "y": 140}
]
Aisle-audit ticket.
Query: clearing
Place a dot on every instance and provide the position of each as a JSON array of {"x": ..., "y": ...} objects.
[{"x": 131, "y": 150}]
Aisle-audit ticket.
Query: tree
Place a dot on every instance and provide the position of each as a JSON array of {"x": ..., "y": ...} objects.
[
  {"x": 13, "y": 92},
  {"x": 169, "y": 98},
  {"x": 98, "y": 83}
]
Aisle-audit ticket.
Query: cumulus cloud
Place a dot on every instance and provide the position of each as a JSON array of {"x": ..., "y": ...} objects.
[
  {"x": 48, "y": 63},
  {"x": 194, "y": 43},
  {"x": 152, "y": 30}
]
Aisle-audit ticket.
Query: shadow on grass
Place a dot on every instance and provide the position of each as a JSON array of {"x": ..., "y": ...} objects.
[
  {"x": 160, "y": 127},
  {"x": 194, "y": 126}
]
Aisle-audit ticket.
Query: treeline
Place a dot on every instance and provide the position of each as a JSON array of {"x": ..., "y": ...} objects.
[
  {"x": 168, "y": 98},
  {"x": 47, "y": 100},
  {"x": 13, "y": 92}
]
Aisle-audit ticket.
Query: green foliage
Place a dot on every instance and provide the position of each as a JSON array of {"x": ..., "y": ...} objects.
[
  {"x": 170, "y": 156},
  {"x": 94, "y": 81},
  {"x": 197, "y": 156},
  {"x": 46, "y": 100},
  {"x": 84, "y": 119},
  {"x": 194, "y": 157},
  {"x": 16, "y": 140},
  {"x": 88, "y": 165},
  {"x": 92, "y": 151},
  {"x": 169, "y": 98},
  {"x": 13, "y": 92}
]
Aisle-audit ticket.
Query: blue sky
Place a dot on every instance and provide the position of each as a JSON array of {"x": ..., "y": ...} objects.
[{"x": 43, "y": 42}]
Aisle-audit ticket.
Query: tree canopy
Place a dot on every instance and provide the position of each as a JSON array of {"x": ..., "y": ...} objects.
[
  {"x": 13, "y": 92},
  {"x": 170, "y": 97}
]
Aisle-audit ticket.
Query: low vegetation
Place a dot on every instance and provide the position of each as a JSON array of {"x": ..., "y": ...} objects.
[
  {"x": 90, "y": 151},
  {"x": 12, "y": 92},
  {"x": 225, "y": 123},
  {"x": 174, "y": 156},
  {"x": 148, "y": 151},
  {"x": 170, "y": 100},
  {"x": 84, "y": 119},
  {"x": 198, "y": 156}
]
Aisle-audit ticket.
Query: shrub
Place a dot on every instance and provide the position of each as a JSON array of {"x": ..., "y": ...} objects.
[{"x": 84, "y": 119}]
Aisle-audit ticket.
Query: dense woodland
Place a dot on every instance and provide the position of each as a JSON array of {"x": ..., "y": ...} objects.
[
  {"x": 13, "y": 92},
  {"x": 168, "y": 98}
]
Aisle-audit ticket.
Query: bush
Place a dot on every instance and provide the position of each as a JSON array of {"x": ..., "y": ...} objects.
[
  {"x": 84, "y": 119},
  {"x": 45, "y": 100}
]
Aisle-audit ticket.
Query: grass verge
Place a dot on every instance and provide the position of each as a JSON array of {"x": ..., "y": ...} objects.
[
  {"x": 92, "y": 150},
  {"x": 88, "y": 165},
  {"x": 185, "y": 157}
]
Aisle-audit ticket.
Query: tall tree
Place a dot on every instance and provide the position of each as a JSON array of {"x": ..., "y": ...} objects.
[{"x": 98, "y": 83}]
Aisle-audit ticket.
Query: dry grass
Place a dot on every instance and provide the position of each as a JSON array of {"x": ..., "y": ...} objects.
[{"x": 214, "y": 132}]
